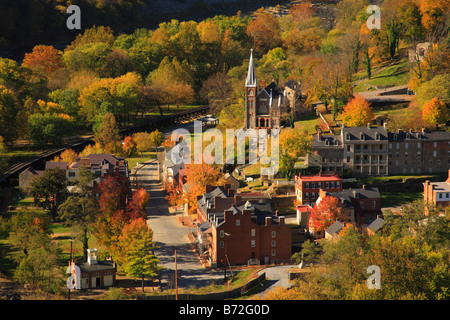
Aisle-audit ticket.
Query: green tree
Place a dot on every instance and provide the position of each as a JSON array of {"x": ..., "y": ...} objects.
[
  {"x": 48, "y": 128},
  {"x": 81, "y": 207},
  {"x": 46, "y": 188},
  {"x": 138, "y": 250}
]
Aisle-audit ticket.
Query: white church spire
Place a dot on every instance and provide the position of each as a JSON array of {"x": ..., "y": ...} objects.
[{"x": 251, "y": 75}]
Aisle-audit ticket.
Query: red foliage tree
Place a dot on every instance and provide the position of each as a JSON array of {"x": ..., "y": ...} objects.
[{"x": 325, "y": 213}]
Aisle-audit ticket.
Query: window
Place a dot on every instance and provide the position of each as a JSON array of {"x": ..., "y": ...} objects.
[
  {"x": 348, "y": 159},
  {"x": 338, "y": 184},
  {"x": 348, "y": 148},
  {"x": 327, "y": 184},
  {"x": 361, "y": 204},
  {"x": 397, "y": 145},
  {"x": 307, "y": 185},
  {"x": 238, "y": 222},
  {"x": 313, "y": 184},
  {"x": 374, "y": 204},
  {"x": 440, "y": 195},
  {"x": 274, "y": 253},
  {"x": 274, "y": 243},
  {"x": 306, "y": 195},
  {"x": 406, "y": 145},
  {"x": 362, "y": 136},
  {"x": 347, "y": 137},
  {"x": 71, "y": 174},
  {"x": 319, "y": 185},
  {"x": 253, "y": 243},
  {"x": 377, "y": 136},
  {"x": 221, "y": 244},
  {"x": 434, "y": 153},
  {"x": 418, "y": 144},
  {"x": 435, "y": 144},
  {"x": 222, "y": 233},
  {"x": 390, "y": 145},
  {"x": 253, "y": 232}
]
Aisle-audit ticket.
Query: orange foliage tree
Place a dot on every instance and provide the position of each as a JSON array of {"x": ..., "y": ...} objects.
[
  {"x": 68, "y": 155},
  {"x": 357, "y": 112},
  {"x": 43, "y": 59},
  {"x": 435, "y": 112},
  {"x": 264, "y": 31},
  {"x": 129, "y": 146},
  {"x": 325, "y": 213}
]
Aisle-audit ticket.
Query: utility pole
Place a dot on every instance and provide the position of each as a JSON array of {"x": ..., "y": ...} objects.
[{"x": 176, "y": 277}]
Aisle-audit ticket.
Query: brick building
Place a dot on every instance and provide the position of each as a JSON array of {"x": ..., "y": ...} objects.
[
  {"x": 437, "y": 193},
  {"x": 373, "y": 151},
  {"x": 363, "y": 204},
  {"x": 307, "y": 188},
  {"x": 239, "y": 230}
]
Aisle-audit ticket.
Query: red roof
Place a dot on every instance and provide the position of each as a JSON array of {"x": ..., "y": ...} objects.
[{"x": 321, "y": 177}]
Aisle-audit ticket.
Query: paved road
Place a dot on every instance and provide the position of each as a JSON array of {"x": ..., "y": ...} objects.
[{"x": 171, "y": 236}]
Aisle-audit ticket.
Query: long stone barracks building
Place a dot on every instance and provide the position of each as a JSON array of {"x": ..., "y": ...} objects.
[{"x": 373, "y": 151}]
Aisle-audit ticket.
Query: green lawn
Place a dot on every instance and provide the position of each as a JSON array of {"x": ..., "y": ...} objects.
[
  {"x": 389, "y": 199},
  {"x": 133, "y": 161},
  {"x": 394, "y": 75},
  {"x": 308, "y": 123}
]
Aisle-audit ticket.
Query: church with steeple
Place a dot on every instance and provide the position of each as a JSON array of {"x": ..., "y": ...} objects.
[{"x": 264, "y": 106}]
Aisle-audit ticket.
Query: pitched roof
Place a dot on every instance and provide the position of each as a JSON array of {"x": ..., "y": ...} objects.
[
  {"x": 366, "y": 134},
  {"x": 376, "y": 224},
  {"x": 251, "y": 74},
  {"x": 334, "y": 228},
  {"x": 53, "y": 164}
]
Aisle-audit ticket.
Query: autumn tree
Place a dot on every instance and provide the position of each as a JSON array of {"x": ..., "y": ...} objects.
[
  {"x": 325, "y": 213},
  {"x": 129, "y": 146},
  {"x": 435, "y": 112},
  {"x": 357, "y": 112},
  {"x": 43, "y": 60},
  {"x": 264, "y": 31},
  {"x": 107, "y": 135},
  {"x": 137, "y": 248},
  {"x": 293, "y": 144},
  {"x": 68, "y": 155},
  {"x": 198, "y": 176}
]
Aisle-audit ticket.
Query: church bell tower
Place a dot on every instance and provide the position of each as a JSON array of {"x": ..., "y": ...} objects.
[{"x": 250, "y": 95}]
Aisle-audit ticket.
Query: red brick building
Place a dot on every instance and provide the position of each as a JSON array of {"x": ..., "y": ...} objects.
[
  {"x": 238, "y": 230},
  {"x": 307, "y": 188}
]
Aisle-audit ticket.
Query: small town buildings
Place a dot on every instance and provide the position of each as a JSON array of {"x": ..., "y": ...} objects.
[
  {"x": 363, "y": 204},
  {"x": 437, "y": 193},
  {"x": 373, "y": 151},
  {"x": 95, "y": 273},
  {"x": 307, "y": 187},
  {"x": 237, "y": 230}
]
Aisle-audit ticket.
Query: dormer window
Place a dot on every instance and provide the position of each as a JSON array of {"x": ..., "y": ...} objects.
[
  {"x": 362, "y": 136},
  {"x": 347, "y": 137},
  {"x": 327, "y": 142},
  {"x": 395, "y": 137},
  {"x": 335, "y": 142},
  {"x": 377, "y": 136}
]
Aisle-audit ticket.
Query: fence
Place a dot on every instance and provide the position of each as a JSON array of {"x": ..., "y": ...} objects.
[{"x": 231, "y": 294}]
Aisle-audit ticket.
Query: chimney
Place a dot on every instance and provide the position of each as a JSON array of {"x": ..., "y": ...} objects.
[
  {"x": 276, "y": 213},
  {"x": 319, "y": 134},
  {"x": 281, "y": 220},
  {"x": 92, "y": 256},
  {"x": 423, "y": 130},
  {"x": 385, "y": 125},
  {"x": 368, "y": 126},
  {"x": 263, "y": 84},
  {"x": 364, "y": 187},
  {"x": 268, "y": 221}
]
